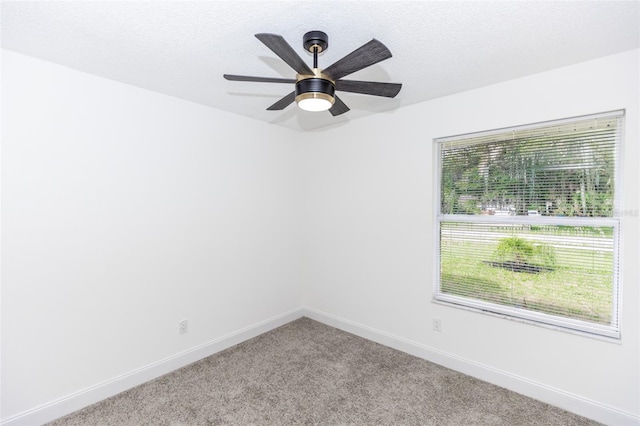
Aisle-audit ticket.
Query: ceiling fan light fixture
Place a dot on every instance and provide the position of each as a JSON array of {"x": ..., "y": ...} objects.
[
  {"x": 315, "y": 94},
  {"x": 314, "y": 87},
  {"x": 314, "y": 102}
]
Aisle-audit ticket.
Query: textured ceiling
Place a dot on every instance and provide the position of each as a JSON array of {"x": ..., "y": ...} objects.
[{"x": 182, "y": 48}]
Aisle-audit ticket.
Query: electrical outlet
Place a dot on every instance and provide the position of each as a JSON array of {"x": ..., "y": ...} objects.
[
  {"x": 183, "y": 327},
  {"x": 437, "y": 324}
]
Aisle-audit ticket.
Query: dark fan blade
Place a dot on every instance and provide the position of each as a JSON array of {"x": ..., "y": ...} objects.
[
  {"x": 390, "y": 90},
  {"x": 258, "y": 79},
  {"x": 338, "y": 107},
  {"x": 280, "y": 47},
  {"x": 283, "y": 103},
  {"x": 364, "y": 56}
]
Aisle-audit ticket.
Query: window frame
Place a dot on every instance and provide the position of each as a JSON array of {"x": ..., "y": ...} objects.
[{"x": 612, "y": 331}]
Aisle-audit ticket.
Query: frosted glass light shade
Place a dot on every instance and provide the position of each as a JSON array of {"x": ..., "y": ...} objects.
[{"x": 315, "y": 104}]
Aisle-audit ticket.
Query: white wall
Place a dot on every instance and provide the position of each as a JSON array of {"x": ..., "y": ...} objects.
[
  {"x": 123, "y": 212},
  {"x": 370, "y": 255}
]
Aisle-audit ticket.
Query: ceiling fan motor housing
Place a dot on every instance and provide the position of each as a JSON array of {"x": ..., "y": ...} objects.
[
  {"x": 315, "y": 38},
  {"x": 315, "y": 88}
]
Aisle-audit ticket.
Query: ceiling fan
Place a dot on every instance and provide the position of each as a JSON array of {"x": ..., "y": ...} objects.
[{"x": 314, "y": 87}]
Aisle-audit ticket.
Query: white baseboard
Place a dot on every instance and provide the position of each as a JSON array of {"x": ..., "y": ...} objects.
[
  {"x": 70, "y": 403},
  {"x": 78, "y": 400},
  {"x": 559, "y": 398}
]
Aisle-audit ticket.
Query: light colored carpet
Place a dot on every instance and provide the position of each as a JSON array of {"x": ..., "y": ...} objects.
[{"x": 309, "y": 373}]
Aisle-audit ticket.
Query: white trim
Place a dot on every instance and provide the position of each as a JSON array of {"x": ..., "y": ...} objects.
[
  {"x": 554, "y": 396},
  {"x": 553, "y": 321},
  {"x": 547, "y": 325},
  {"x": 85, "y": 397},
  {"x": 531, "y": 220},
  {"x": 565, "y": 400},
  {"x": 616, "y": 308},
  {"x": 485, "y": 133}
]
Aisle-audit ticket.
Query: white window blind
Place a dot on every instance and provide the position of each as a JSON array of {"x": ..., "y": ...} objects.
[{"x": 528, "y": 223}]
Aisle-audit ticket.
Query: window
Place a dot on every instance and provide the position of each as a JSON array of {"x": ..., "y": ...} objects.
[{"x": 528, "y": 222}]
